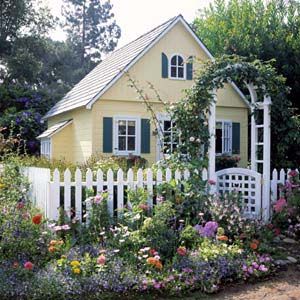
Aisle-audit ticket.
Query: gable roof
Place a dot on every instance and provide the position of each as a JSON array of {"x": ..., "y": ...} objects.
[
  {"x": 106, "y": 73},
  {"x": 54, "y": 129}
]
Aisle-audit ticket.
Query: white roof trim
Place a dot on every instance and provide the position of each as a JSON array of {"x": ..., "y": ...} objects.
[{"x": 54, "y": 129}]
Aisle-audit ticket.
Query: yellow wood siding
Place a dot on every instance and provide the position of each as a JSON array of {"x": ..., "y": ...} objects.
[{"x": 80, "y": 136}]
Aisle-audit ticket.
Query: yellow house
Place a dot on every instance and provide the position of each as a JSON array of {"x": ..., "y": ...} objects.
[{"x": 103, "y": 114}]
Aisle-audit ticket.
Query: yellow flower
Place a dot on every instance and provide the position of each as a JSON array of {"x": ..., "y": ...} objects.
[
  {"x": 75, "y": 263},
  {"x": 2, "y": 186},
  {"x": 76, "y": 271}
]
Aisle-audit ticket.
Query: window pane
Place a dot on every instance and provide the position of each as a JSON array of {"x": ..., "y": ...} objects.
[
  {"x": 174, "y": 60},
  {"x": 180, "y": 72},
  {"x": 167, "y": 137},
  {"x": 131, "y": 143},
  {"x": 131, "y": 127},
  {"x": 122, "y": 143},
  {"x": 219, "y": 139},
  {"x": 167, "y": 125},
  {"x": 180, "y": 61},
  {"x": 173, "y": 72},
  {"x": 122, "y": 127}
]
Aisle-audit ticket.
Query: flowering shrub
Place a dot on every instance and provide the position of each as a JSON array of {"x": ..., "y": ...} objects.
[{"x": 287, "y": 208}]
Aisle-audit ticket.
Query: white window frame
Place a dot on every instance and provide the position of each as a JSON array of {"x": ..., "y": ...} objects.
[
  {"x": 184, "y": 67},
  {"x": 116, "y": 150},
  {"x": 226, "y": 137},
  {"x": 46, "y": 148},
  {"x": 161, "y": 118}
]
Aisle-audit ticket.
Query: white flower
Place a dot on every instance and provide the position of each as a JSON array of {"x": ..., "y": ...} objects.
[
  {"x": 192, "y": 139},
  {"x": 145, "y": 256},
  {"x": 157, "y": 257},
  {"x": 122, "y": 241},
  {"x": 198, "y": 140}
]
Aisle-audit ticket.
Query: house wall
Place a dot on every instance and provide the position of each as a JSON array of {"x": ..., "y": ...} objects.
[{"x": 74, "y": 142}]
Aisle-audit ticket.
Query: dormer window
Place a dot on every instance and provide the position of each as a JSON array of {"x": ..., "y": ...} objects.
[{"x": 177, "y": 67}]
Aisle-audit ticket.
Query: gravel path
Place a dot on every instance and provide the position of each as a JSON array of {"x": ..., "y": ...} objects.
[{"x": 286, "y": 286}]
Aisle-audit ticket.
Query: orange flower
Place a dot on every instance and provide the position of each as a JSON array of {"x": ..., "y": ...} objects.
[
  {"x": 53, "y": 243},
  {"x": 154, "y": 262},
  {"x": 37, "y": 219},
  {"x": 254, "y": 244},
  {"x": 52, "y": 249},
  {"x": 222, "y": 238}
]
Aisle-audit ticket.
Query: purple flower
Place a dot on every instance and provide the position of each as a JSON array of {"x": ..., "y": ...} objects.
[
  {"x": 250, "y": 270},
  {"x": 187, "y": 270},
  {"x": 209, "y": 230},
  {"x": 255, "y": 265},
  {"x": 263, "y": 268}
]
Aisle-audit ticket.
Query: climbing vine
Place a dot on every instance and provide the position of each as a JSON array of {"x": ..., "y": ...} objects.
[{"x": 190, "y": 114}]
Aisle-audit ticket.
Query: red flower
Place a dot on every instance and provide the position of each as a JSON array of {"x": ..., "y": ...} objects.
[
  {"x": 37, "y": 219},
  {"x": 28, "y": 265},
  {"x": 152, "y": 252},
  {"x": 293, "y": 173},
  {"x": 277, "y": 231},
  {"x": 20, "y": 205},
  {"x": 181, "y": 251}
]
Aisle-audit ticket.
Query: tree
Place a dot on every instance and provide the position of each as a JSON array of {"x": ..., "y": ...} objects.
[
  {"x": 256, "y": 28},
  {"x": 91, "y": 28},
  {"x": 267, "y": 31},
  {"x": 19, "y": 18}
]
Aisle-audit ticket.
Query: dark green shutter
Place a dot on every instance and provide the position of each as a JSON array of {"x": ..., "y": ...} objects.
[
  {"x": 145, "y": 136},
  {"x": 236, "y": 138},
  {"x": 189, "y": 68},
  {"x": 164, "y": 66},
  {"x": 107, "y": 135}
]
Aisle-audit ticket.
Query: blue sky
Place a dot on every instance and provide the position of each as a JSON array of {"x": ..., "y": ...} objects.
[{"x": 136, "y": 17}]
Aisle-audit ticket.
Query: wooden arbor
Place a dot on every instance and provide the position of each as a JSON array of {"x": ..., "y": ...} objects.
[{"x": 260, "y": 148}]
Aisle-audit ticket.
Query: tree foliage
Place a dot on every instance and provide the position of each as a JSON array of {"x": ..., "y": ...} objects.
[
  {"x": 91, "y": 28},
  {"x": 265, "y": 30}
]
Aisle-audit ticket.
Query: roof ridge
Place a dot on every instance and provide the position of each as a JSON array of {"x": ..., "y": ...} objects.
[{"x": 144, "y": 34}]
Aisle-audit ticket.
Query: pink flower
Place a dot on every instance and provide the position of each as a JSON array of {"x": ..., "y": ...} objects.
[
  {"x": 211, "y": 182},
  {"x": 181, "y": 251},
  {"x": 98, "y": 199},
  {"x": 65, "y": 227},
  {"x": 20, "y": 205},
  {"x": 28, "y": 265},
  {"x": 101, "y": 260},
  {"x": 279, "y": 205},
  {"x": 293, "y": 173}
]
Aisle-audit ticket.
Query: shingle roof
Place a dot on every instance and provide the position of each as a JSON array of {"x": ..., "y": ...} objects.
[
  {"x": 94, "y": 82},
  {"x": 90, "y": 88},
  {"x": 54, "y": 129}
]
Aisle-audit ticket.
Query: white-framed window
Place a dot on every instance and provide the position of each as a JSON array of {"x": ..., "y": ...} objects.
[
  {"x": 46, "y": 147},
  {"x": 177, "y": 67},
  {"x": 126, "y": 135},
  {"x": 167, "y": 136},
  {"x": 223, "y": 137}
]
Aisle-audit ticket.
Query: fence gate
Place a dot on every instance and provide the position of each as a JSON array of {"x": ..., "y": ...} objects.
[{"x": 247, "y": 183}]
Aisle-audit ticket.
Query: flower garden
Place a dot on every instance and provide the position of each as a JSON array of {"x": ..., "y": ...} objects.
[{"x": 189, "y": 241}]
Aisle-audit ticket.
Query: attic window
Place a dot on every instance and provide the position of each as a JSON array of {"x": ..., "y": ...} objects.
[{"x": 177, "y": 67}]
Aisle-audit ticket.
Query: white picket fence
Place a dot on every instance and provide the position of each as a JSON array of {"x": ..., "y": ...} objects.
[{"x": 49, "y": 192}]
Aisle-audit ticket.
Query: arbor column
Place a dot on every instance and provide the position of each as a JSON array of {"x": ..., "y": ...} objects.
[
  {"x": 212, "y": 142},
  {"x": 266, "y": 199}
]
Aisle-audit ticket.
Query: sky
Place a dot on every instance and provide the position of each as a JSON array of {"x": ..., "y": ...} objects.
[{"x": 135, "y": 17}]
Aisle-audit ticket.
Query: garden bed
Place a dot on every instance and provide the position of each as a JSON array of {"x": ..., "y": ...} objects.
[{"x": 188, "y": 242}]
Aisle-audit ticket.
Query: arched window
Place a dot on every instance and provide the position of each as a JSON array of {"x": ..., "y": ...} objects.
[{"x": 177, "y": 67}]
